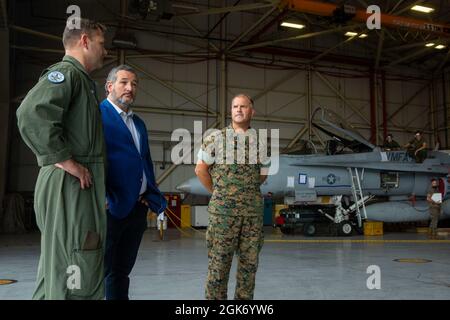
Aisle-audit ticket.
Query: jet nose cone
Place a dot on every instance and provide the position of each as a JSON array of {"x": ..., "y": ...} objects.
[{"x": 184, "y": 187}]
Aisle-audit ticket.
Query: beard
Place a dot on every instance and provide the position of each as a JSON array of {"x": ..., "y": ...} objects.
[
  {"x": 121, "y": 101},
  {"x": 126, "y": 104}
]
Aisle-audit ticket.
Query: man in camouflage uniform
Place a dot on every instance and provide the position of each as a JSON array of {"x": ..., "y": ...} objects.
[
  {"x": 390, "y": 144},
  {"x": 236, "y": 205},
  {"x": 435, "y": 208},
  {"x": 417, "y": 148}
]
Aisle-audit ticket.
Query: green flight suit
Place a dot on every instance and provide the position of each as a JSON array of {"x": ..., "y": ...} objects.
[{"x": 59, "y": 119}]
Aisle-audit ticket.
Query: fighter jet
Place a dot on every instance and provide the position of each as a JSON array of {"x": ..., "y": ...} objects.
[{"x": 353, "y": 181}]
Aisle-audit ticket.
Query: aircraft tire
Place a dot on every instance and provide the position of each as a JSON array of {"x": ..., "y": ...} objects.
[
  {"x": 345, "y": 228},
  {"x": 309, "y": 229}
]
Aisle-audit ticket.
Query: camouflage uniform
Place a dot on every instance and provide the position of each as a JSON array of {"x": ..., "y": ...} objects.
[
  {"x": 435, "y": 211},
  {"x": 393, "y": 145},
  {"x": 415, "y": 144},
  {"x": 236, "y": 217}
]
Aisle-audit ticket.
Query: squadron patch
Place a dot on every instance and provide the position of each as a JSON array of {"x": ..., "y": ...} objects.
[{"x": 55, "y": 77}]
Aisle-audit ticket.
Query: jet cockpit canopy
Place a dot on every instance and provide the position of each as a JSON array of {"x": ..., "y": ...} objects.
[{"x": 342, "y": 135}]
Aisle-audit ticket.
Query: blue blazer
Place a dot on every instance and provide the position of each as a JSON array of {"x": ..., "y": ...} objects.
[{"x": 125, "y": 165}]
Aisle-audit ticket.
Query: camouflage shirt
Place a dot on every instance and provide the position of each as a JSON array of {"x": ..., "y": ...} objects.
[
  {"x": 416, "y": 144},
  {"x": 235, "y": 173},
  {"x": 391, "y": 145}
]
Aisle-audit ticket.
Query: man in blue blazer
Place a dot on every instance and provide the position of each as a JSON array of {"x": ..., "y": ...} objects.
[{"x": 130, "y": 181}]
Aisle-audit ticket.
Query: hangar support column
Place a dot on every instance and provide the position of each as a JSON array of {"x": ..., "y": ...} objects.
[
  {"x": 4, "y": 111},
  {"x": 373, "y": 107},
  {"x": 223, "y": 91},
  {"x": 383, "y": 97},
  {"x": 432, "y": 98},
  {"x": 446, "y": 100}
]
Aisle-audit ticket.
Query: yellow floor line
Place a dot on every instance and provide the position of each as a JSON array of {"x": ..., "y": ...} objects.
[{"x": 355, "y": 241}]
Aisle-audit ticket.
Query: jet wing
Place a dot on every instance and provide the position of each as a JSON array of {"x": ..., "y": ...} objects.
[
  {"x": 424, "y": 168},
  {"x": 376, "y": 160}
]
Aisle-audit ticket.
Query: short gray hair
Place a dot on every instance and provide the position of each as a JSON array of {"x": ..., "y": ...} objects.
[
  {"x": 112, "y": 75},
  {"x": 243, "y": 95}
]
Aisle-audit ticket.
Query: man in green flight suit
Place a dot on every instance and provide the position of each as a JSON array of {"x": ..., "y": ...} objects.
[
  {"x": 60, "y": 121},
  {"x": 233, "y": 172}
]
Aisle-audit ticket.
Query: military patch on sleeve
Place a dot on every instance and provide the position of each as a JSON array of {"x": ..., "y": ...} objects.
[{"x": 55, "y": 77}]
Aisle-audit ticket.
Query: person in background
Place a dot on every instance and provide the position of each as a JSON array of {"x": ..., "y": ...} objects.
[
  {"x": 417, "y": 148},
  {"x": 390, "y": 144},
  {"x": 434, "y": 206}
]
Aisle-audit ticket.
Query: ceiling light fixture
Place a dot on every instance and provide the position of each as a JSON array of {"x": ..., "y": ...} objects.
[
  {"x": 422, "y": 9},
  {"x": 292, "y": 25},
  {"x": 351, "y": 34}
]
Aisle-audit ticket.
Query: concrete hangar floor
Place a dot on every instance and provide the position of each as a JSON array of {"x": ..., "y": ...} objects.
[{"x": 392, "y": 266}]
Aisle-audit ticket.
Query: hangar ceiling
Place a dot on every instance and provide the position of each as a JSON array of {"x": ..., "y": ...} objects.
[
  {"x": 242, "y": 28},
  {"x": 251, "y": 32}
]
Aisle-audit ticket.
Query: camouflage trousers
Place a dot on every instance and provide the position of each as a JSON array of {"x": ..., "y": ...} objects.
[
  {"x": 225, "y": 236},
  {"x": 420, "y": 157},
  {"x": 435, "y": 212}
]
